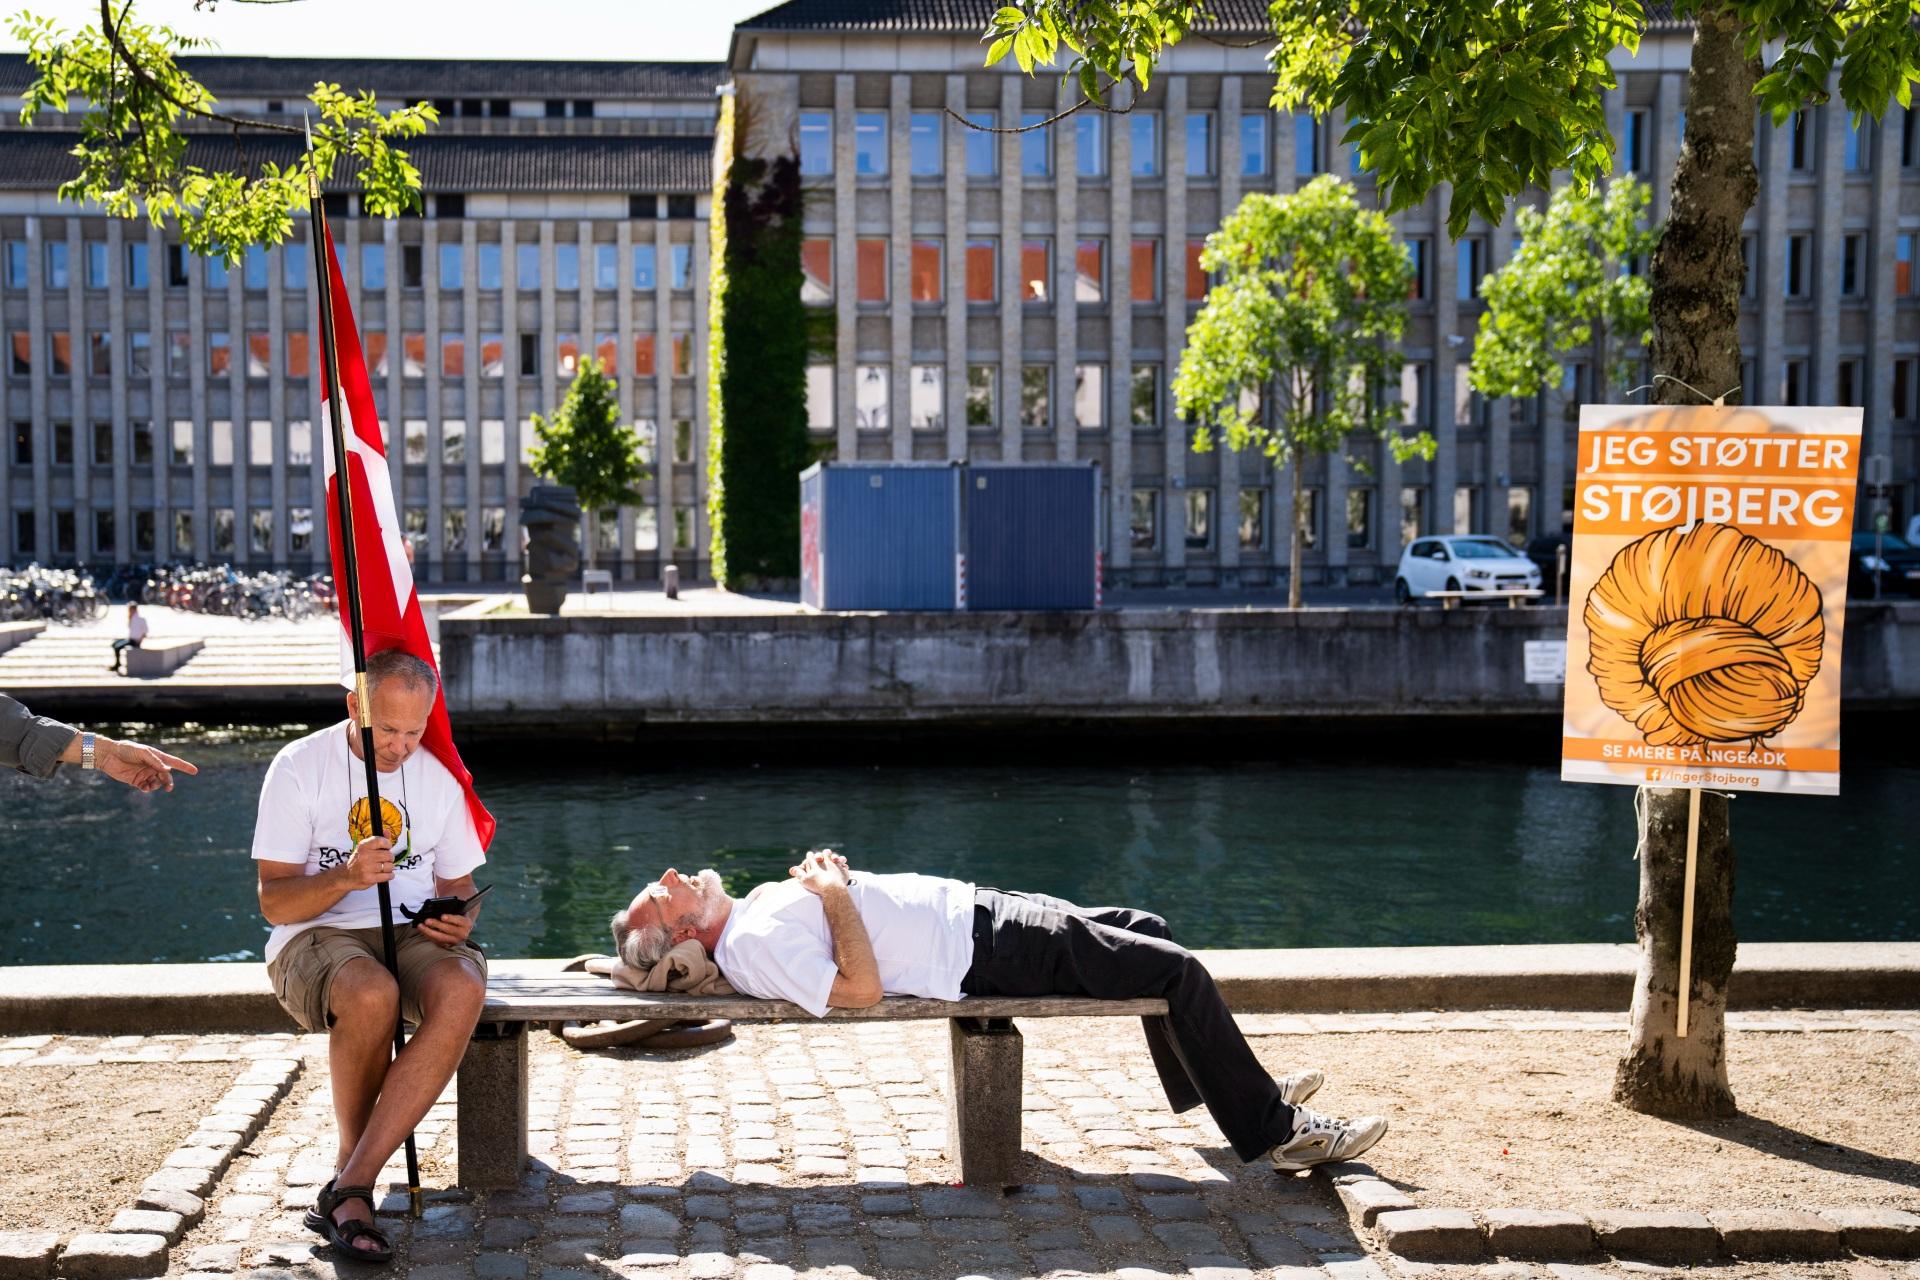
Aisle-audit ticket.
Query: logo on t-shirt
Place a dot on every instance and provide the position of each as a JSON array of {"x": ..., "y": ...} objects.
[{"x": 393, "y": 825}]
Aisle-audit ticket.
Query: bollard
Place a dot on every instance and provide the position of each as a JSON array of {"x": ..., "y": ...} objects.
[{"x": 670, "y": 581}]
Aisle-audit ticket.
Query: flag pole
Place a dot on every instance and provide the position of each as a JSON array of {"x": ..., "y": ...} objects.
[{"x": 349, "y": 594}]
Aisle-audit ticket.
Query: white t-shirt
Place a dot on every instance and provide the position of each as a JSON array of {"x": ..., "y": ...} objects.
[
  {"x": 313, "y": 785},
  {"x": 776, "y": 944},
  {"x": 137, "y": 629}
]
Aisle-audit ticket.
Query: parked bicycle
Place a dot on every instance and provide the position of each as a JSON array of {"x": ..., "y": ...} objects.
[{"x": 40, "y": 592}]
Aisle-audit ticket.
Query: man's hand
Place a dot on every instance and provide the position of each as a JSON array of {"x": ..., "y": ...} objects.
[
  {"x": 140, "y": 767},
  {"x": 820, "y": 870},
  {"x": 370, "y": 863},
  {"x": 448, "y": 931}
]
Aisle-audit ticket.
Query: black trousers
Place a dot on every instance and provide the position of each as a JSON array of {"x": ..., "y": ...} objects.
[{"x": 1028, "y": 944}]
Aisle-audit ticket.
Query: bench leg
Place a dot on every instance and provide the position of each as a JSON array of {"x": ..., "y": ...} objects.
[
  {"x": 492, "y": 1110},
  {"x": 983, "y": 1104}
]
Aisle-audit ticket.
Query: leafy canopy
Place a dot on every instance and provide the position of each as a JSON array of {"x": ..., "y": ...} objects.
[
  {"x": 1567, "y": 285},
  {"x": 1311, "y": 296},
  {"x": 1492, "y": 96},
  {"x": 584, "y": 445},
  {"x": 140, "y": 109}
]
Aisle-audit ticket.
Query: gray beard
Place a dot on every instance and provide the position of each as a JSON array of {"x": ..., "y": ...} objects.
[{"x": 713, "y": 898}]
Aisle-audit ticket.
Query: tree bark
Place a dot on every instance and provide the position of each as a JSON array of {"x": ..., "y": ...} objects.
[
  {"x": 1295, "y": 544},
  {"x": 1663, "y": 1074},
  {"x": 1695, "y": 307}
]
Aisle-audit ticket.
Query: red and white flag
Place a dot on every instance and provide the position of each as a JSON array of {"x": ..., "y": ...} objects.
[{"x": 389, "y": 606}]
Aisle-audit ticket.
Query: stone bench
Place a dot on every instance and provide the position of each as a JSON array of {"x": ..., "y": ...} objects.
[
  {"x": 18, "y": 633},
  {"x": 983, "y": 1101},
  {"x": 161, "y": 657}
]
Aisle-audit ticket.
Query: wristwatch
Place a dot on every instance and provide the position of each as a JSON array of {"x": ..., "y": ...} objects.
[{"x": 86, "y": 751}]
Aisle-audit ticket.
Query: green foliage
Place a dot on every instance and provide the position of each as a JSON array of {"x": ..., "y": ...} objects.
[
  {"x": 131, "y": 160},
  {"x": 758, "y": 443},
  {"x": 1567, "y": 286},
  {"x": 1492, "y": 97},
  {"x": 1311, "y": 295},
  {"x": 583, "y": 443}
]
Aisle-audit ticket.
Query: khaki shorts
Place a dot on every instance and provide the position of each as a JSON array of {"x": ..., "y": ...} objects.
[{"x": 302, "y": 974}]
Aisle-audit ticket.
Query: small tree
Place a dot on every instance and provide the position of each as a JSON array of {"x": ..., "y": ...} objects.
[
  {"x": 1578, "y": 280},
  {"x": 583, "y": 445},
  {"x": 1311, "y": 292}
]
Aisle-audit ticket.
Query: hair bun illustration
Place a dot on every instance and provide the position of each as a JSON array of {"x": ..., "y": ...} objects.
[{"x": 1704, "y": 634}]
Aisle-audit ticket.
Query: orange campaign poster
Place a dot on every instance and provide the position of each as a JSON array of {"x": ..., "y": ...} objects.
[{"x": 1707, "y": 592}]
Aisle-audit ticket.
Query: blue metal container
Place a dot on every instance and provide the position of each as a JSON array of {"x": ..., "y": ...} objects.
[
  {"x": 882, "y": 535},
  {"x": 1033, "y": 535}
]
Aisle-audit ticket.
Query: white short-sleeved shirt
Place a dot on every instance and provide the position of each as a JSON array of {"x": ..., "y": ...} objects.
[
  {"x": 776, "y": 944},
  {"x": 313, "y": 809}
]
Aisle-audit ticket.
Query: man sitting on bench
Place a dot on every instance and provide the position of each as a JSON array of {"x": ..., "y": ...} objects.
[{"x": 825, "y": 939}]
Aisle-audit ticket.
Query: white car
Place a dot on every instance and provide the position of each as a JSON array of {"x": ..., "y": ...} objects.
[{"x": 1462, "y": 562}]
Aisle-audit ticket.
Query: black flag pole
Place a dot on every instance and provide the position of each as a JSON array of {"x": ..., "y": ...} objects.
[{"x": 349, "y": 596}]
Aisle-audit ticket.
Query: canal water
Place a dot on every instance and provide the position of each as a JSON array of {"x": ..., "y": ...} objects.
[{"x": 1262, "y": 854}]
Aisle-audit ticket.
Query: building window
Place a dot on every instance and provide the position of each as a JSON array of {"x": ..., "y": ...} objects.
[
  {"x": 606, "y": 351},
  {"x": 1196, "y": 274},
  {"x": 1519, "y": 515},
  {"x": 1036, "y": 145},
  {"x": 373, "y": 267},
  {"x": 183, "y": 533},
  {"x": 1143, "y": 519},
  {"x": 1849, "y": 386},
  {"x": 1090, "y": 144},
  {"x": 871, "y": 388},
  {"x": 982, "y": 395},
  {"x": 1090, "y": 271},
  {"x": 1415, "y": 378},
  {"x": 20, "y": 353},
  {"x": 682, "y": 354},
  {"x": 1465, "y": 501},
  {"x": 145, "y": 535},
  {"x": 1253, "y": 519},
  {"x": 1144, "y": 272},
  {"x": 982, "y": 271},
  {"x": 413, "y": 355},
  {"x": 487, "y": 266},
  {"x": 1852, "y": 252},
  {"x": 1090, "y": 396},
  {"x": 180, "y": 442},
  {"x": 300, "y": 530},
  {"x": 1144, "y": 396},
  {"x": 1307, "y": 160},
  {"x": 493, "y": 442},
  {"x": 566, "y": 268},
  {"x": 1748, "y": 286},
  {"x": 25, "y": 534},
  {"x": 176, "y": 266},
  {"x": 450, "y": 268},
  {"x": 493, "y": 355},
  {"x": 219, "y": 354},
  {"x": 924, "y": 274},
  {"x": 103, "y": 532},
  {"x": 1360, "y": 517},
  {"x": 300, "y": 443},
  {"x": 220, "y": 442},
  {"x": 643, "y": 268},
  {"x": 1909, "y": 138},
  {"x": 23, "y": 444},
  {"x": 103, "y": 444},
  {"x": 1906, "y": 383},
  {"x": 924, "y": 150},
  {"x": 63, "y": 444},
  {"x": 56, "y": 264},
  {"x": 139, "y": 353},
  {"x": 820, "y": 396},
  {"x": 137, "y": 265},
  {"x": 983, "y": 148},
  {"x": 529, "y": 355},
  {"x": 1469, "y": 407},
  {"x": 1307, "y": 518},
  {"x": 526, "y": 267},
  {"x": 682, "y": 529},
  {"x": 253, "y": 269},
  {"x": 680, "y": 207},
  {"x": 643, "y": 359},
  {"x": 1470, "y": 264},
  {"x": 1800, "y": 143},
  {"x": 259, "y": 355},
  {"x": 1903, "y": 266},
  {"x": 646, "y": 529},
  {"x": 99, "y": 353},
  {"x": 1145, "y": 132},
  {"x": 682, "y": 267},
  {"x": 16, "y": 264},
  {"x": 1036, "y": 386},
  {"x": 1858, "y": 155},
  {"x": 96, "y": 251},
  {"x": 413, "y": 435},
  {"x": 1413, "y": 513},
  {"x": 870, "y": 270},
  {"x": 260, "y": 531},
  {"x": 1793, "y": 382},
  {"x": 1200, "y": 144},
  {"x": 453, "y": 355},
  {"x": 1036, "y": 269},
  {"x": 1253, "y": 145},
  {"x": 453, "y": 442},
  {"x": 816, "y": 143},
  {"x": 870, "y": 143},
  {"x": 1633, "y": 150},
  {"x": 1199, "y": 506},
  {"x": 926, "y": 405},
  {"x": 293, "y": 269},
  {"x": 259, "y": 443},
  {"x": 1417, "y": 259},
  {"x": 1796, "y": 281}
]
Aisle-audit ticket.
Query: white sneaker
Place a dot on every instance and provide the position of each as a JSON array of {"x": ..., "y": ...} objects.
[
  {"x": 1319, "y": 1139},
  {"x": 1301, "y": 1085}
]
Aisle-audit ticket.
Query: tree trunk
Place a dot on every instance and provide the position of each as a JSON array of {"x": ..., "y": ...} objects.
[
  {"x": 1295, "y": 544},
  {"x": 1663, "y": 1074},
  {"x": 1696, "y": 337}
]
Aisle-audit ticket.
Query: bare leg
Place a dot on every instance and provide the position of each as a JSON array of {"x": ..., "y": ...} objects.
[
  {"x": 365, "y": 1004},
  {"x": 451, "y": 995}
]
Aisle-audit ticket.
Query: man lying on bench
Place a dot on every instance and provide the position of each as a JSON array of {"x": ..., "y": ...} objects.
[{"x": 826, "y": 939}]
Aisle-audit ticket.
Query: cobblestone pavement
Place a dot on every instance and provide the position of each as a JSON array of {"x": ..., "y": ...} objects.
[{"x": 818, "y": 1150}]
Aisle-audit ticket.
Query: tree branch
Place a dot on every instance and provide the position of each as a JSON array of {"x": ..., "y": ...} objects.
[
  {"x": 1041, "y": 124},
  {"x": 111, "y": 30}
]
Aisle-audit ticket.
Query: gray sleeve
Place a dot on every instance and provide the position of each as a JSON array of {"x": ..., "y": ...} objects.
[{"x": 32, "y": 744}]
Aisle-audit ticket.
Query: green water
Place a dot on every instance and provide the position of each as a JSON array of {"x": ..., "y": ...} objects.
[{"x": 1274, "y": 854}]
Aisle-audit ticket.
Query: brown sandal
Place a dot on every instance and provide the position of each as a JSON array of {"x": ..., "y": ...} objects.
[{"x": 340, "y": 1236}]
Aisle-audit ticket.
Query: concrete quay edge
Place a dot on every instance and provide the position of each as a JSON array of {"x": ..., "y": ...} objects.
[{"x": 235, "y": 998}]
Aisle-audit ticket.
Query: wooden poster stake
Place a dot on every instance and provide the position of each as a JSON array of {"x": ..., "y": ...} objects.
[{"x": 1686, "y": 907}]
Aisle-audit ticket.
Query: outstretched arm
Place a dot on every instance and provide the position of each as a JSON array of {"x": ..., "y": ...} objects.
[{"x": 857, "y": 984}]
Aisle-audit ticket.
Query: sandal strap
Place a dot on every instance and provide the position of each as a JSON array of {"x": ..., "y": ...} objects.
[{"x": 342, "y": 1194}]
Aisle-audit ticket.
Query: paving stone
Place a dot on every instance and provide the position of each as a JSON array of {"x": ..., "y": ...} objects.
[
  {"x": 1431, "y": 1235},
  {"x": 648, "y": 1220},
  {"x": 493, "y": 1265},
  {"x": 441, "y": 1271},
  {"x": 1367, "y": 1198},
  {"x": 1775, "y": 1233},
  {"x": 1279, "y": 1251},
  {"x": 1055, "y": 1239},
  {"x": 215, "y": 1257},
  {"x": 149, "y": 1222},
  {"x": 1351, "y": 1268},
  {"x": 444, "y": 1222},
  {"x": 708, "y": 1266},
  {"x": 191, "y": 1208},
  {"x": 28, "y": 1255},
  {"x": 907, "y": 1255},
  {"x": 1165, "y": 1207},
  {"x": 991, "y": 1258},
  {"x": 965, "y": 1229},
  {"x": 749, "y": 1224},
  {"x": 569, "y": 1250},
  {"x": 1113, "y": 1229},
  {"x": 896, "y": 1229},
  {"x": 824, "y": 1252},
  {"x": 766, "y": 1249},
  {"x": 1325, "y": 1241},
  {"x": 1101, "y": 1198},
  {"x": 1664, "y": 1236},
  {"x": 960, "y": 1202},
  {"x": 520, "y": 1201},
  {"x": 823, "y": 1219},
  {"x": 1051, "y": 1261},
  {"x": 1883, "y": 1233},
  {"x": 507, "y": 1232},
  {"x": 97, "y": 1255},
  {"x": 1039, "y": 1211},
  {"x": 1537, "y": 1233},
  {"x": 886, "y": 1204},
  {"x": 586, "y": 1202},
  {"x": 642, "y": 1255}
]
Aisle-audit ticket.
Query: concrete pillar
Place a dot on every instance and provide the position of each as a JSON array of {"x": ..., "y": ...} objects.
[
  {"x": 846, "y": 290},
  {"x": 1614, "y": 104},
  {"x": 436, "y": 548},
  {"x": 1012, "y": 300},
  {"x": 277, "y": 402},
  {"x": 37, "y": 390},
  {"x": 396, "y": 370},
  {"x": 1179, "y": 309},
  {"x": 1880, "y": 313},
  {"x": 512, "y": 412},
  {"x": 1120, "y": 310},
  {"x": 199, "y": 406},
  {"x": 470, "y": 406},
  {"x": 954, "y": 161},
  {"x": 1499, "y": 429},
  {"x": 1669, "y": 102},
  {"x": 1227, "y": 518},
  {"x": 240, "y": 411},
  {"x": 163, "y": 408},
  {"x": 983, "y": 1101},
  {"x": 624, "y": 367},
  {"x": 1445, "y": 467},
  {"x": 664, "y": 495},
  {"x": 491, "y": 1121},
  {"x": 1829, "y": 233},
  {"x": 119, "y": 350},
  {"x": 1770, "y": 249},
  {"x": 900, "y": 267},
  {"x": 79, "y": 393},
  {"x": 1066, "y": 303},
  {"x": 701, "y": 531}
]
